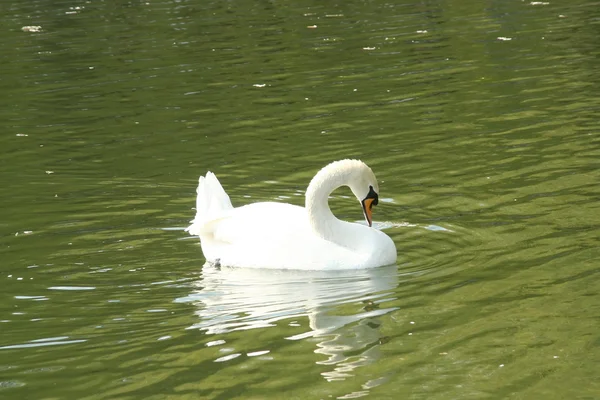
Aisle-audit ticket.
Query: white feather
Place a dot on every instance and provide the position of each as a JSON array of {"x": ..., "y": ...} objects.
[
  {"x": 280, "y": 235},
  {"x": 211, "y": 202}
]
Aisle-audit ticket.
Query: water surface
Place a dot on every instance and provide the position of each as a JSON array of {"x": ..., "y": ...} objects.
[{"x": 480, "y": 121}]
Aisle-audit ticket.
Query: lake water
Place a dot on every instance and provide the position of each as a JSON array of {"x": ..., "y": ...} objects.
[{"x": 480, "y": 120}]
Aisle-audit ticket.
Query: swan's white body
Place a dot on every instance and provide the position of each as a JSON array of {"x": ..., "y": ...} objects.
[{"x": 285, "y": 236}]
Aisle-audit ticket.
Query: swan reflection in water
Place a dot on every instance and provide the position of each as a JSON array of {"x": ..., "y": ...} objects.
[{"x": 234, "y": 299}]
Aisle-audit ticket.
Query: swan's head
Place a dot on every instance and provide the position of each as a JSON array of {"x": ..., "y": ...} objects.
[
  {"x": 364, "y": 186},
  {"x": 352, "y": 173}
]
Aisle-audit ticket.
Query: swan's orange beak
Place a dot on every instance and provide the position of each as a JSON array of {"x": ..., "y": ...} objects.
[
  {"x": 368, "y": 210},
  {"x": 367, "y": 204}
]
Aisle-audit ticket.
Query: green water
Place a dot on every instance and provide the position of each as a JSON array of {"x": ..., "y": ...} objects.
[{"x": 479, "y": 119}]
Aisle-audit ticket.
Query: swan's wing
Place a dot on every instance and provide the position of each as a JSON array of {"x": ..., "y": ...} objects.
[{"x": 257, "y": 223}]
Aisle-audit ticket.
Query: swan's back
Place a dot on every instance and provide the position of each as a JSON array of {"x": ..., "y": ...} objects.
[
  {"x": 270, "y": 235},
  {"x": 259, "y": 223}
]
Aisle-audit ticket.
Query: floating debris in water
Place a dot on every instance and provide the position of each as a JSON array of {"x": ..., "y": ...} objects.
[
  {"x": 49, "y": 172},
  {"x": 503, "y": 38},
  {"x": 423, "y": 31},
  {"x": 312, "y": 27},
  {"x": 369, "y": 48},
  {"x": 32, "y": 28},
  {"x": 539, "y": 3},
  {"x": 259, "y": 85},
  {"x": 22, "y": 134}
]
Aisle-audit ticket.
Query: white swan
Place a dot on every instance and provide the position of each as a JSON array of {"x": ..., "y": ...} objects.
[{"x": 285, "y": 236}]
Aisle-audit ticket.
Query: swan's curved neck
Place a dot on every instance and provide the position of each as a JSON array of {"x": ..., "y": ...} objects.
[{"x": 321, "y": 219}]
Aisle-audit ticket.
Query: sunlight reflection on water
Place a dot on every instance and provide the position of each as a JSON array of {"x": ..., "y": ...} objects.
[{"x": 235, "y": 299}]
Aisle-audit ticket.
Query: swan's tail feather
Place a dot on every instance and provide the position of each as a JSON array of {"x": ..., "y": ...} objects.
[{"x": 211, "y": 201}]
